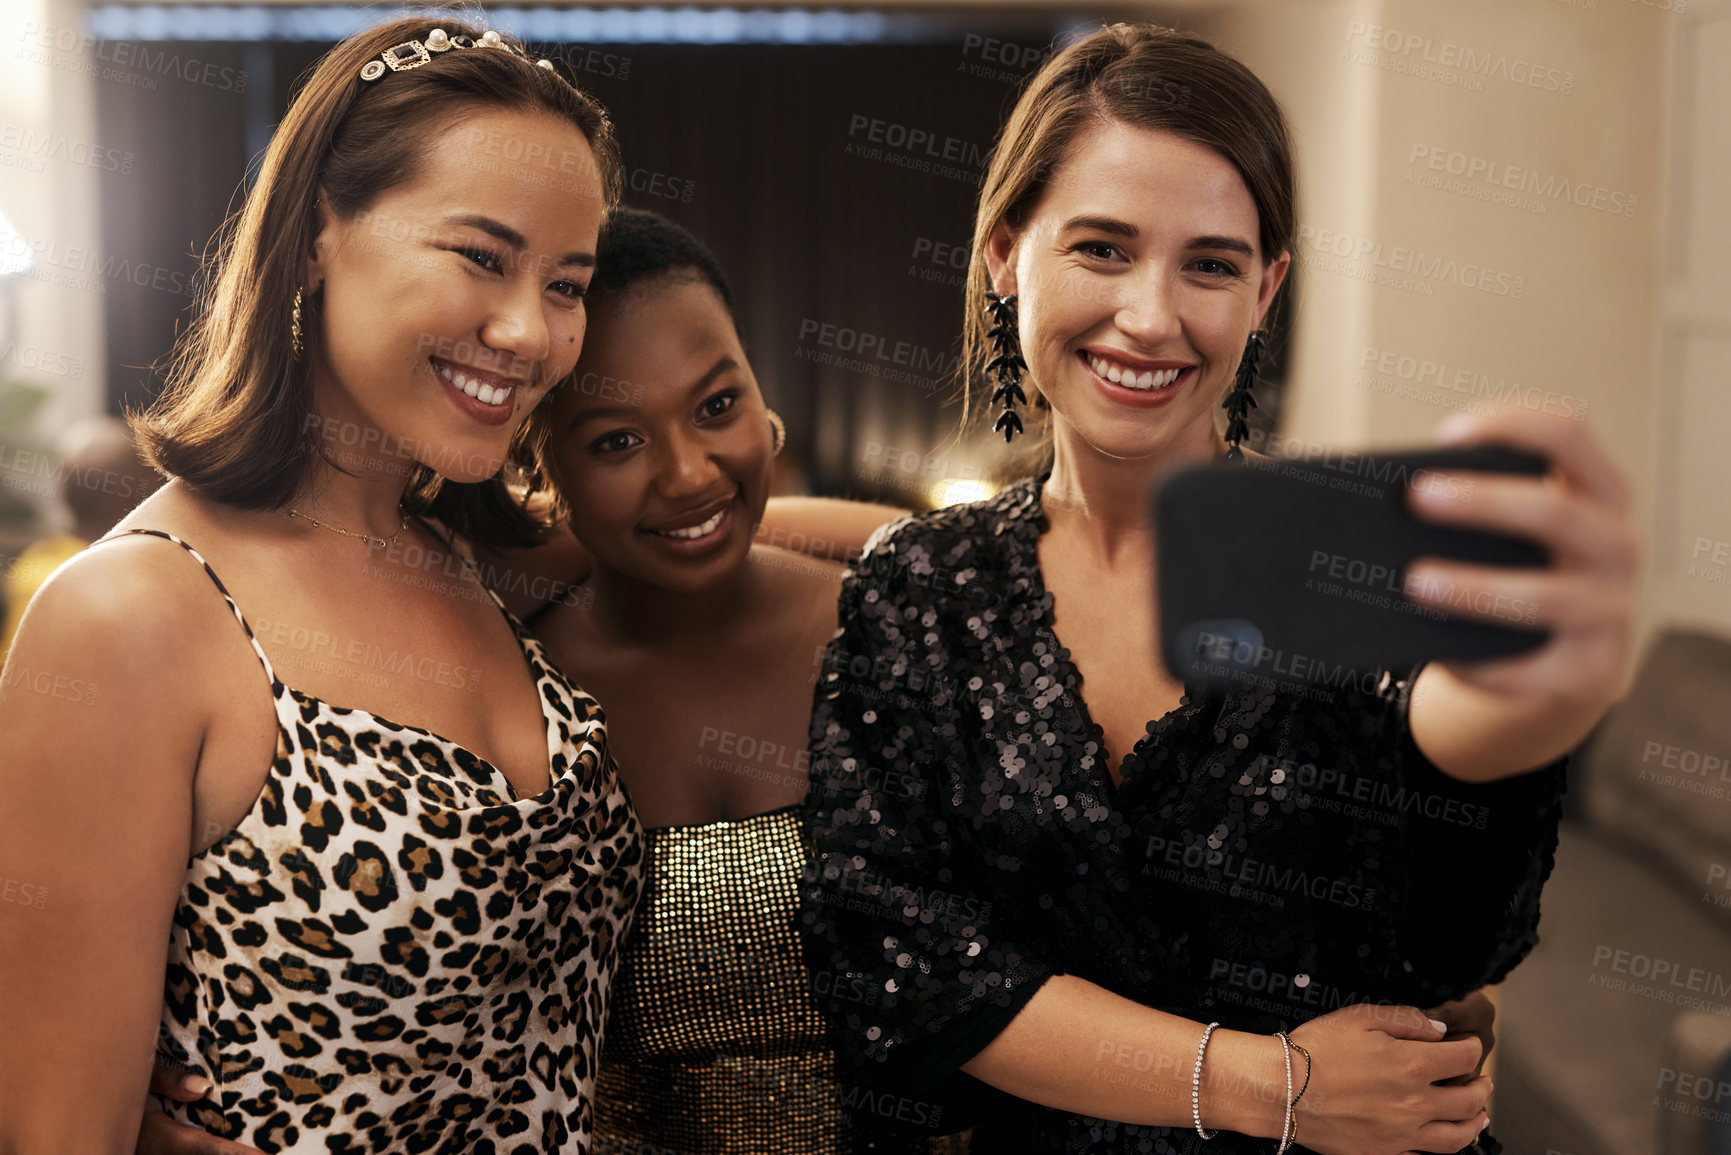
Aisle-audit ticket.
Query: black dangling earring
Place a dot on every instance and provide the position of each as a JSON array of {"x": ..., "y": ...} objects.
[
  {"x": 1006, "y": 366},
  {"x": 1238, "y": 401}
]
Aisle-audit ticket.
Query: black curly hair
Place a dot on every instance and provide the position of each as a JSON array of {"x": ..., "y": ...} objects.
[{"x": 637, "y": 245}]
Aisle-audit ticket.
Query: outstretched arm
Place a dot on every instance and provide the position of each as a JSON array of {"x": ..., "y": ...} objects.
[
  {"x": 828, "y": 527},
  {"x": 528, "y": 580},
  {"x": 1488, "y": 720}
]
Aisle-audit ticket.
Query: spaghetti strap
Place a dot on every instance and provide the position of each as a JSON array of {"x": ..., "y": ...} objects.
[{"x": 220, "y": 588}]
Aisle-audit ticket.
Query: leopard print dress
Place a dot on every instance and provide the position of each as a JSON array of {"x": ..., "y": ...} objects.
[{"x": 392, "y": 952}]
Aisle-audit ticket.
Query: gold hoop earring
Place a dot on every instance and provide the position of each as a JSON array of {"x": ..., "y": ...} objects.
[
  {"x": 295, "y": 325},
  {"x": 778, "y": 431}
]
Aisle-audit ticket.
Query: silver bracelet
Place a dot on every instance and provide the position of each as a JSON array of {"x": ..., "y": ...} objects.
[
  {"x": 1196, "y": 1085},
  {"x": 1287, "y": 1131}
]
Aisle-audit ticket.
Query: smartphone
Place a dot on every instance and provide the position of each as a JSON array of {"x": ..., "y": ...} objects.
[{"x": 1273, "y": 572}]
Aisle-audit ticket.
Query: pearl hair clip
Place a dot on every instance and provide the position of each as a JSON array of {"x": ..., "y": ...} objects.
[{"x": 413, "y": 53}]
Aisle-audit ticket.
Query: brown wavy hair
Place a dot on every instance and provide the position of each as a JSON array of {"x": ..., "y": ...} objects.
[
  {"x": 232, "y": 420},
  {"x": 1142, "y": 75}
]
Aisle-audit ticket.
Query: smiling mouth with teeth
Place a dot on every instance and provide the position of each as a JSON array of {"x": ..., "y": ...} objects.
[
  {"x": 1129, "y": 378},
  {"x": 494, "y": 395},
  {"x": 693, "y": 532}
]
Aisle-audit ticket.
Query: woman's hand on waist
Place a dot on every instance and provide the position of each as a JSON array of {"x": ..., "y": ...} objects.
[{"x": 160, "y": 1135}]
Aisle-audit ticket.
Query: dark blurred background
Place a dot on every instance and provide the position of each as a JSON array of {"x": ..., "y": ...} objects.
[{"x": 765, "y": 150}]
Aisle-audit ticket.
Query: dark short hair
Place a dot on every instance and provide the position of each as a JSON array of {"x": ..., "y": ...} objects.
[
  {"x": 233, "y": 420},
  {"x": 637, "y": 245}
]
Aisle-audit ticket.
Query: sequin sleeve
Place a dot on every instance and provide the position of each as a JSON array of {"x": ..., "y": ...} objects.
[
  {"x": 1477, "y": 856},
  {"x": 914, "y": 958}
]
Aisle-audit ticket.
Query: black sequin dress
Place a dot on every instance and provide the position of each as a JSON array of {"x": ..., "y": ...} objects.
[{"x": 1270, "y": 855}]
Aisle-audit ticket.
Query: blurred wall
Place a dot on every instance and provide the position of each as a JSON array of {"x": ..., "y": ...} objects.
[
  {"x": 1484, "y": 209},
  {"x": 1692, "y": 523}
]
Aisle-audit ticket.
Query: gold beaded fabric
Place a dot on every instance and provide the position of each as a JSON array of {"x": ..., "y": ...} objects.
[{"x": 715, "y": 1043}]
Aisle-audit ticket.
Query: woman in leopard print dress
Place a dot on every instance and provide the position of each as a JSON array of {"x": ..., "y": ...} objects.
[{"x": 383, "y": 886}]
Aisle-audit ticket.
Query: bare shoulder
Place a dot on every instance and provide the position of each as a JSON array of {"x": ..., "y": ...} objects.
[
  {"x": 134, "y": 602},
  {"x": 130, "y": 605}
]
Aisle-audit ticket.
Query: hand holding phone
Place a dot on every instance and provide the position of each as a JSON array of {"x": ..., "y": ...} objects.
[{"x": 1277, "y": 571}]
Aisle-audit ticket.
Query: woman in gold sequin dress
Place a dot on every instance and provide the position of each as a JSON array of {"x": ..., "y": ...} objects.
[{"x": 702, "y": 648}]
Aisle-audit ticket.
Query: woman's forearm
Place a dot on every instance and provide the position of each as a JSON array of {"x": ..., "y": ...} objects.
[
  {"x": 528, "y": 580},
  {"x": 1382, "y": 1077},
  {"x": 827, "y": 527},
  {"x": 1476, "y": 736},
  {"x": 1080, "y": 1048}
]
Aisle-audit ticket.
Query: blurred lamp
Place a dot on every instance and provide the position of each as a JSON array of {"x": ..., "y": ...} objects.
[{"x": 959, "y": 491}]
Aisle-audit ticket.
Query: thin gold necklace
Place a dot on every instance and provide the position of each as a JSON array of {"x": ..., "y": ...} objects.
[{"x": 384, "y": 542}]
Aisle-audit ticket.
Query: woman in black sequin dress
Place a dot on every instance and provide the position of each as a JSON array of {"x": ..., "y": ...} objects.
[{"x": 1045, "y": 898}]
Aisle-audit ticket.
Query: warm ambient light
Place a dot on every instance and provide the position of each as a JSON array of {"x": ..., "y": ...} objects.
[{"x": 960, "y": 491}]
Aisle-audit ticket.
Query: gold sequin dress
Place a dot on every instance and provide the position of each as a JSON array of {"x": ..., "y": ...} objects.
[{"x": 715, "y": 1042}]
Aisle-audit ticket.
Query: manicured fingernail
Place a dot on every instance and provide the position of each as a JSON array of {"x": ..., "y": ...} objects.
[
  {"x": 1486, "y": 1123},
  {"x": 1455, "y": 428},
  {"x": 1443, "y": 1027},
  {"x": 196, "y": 1084}
]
